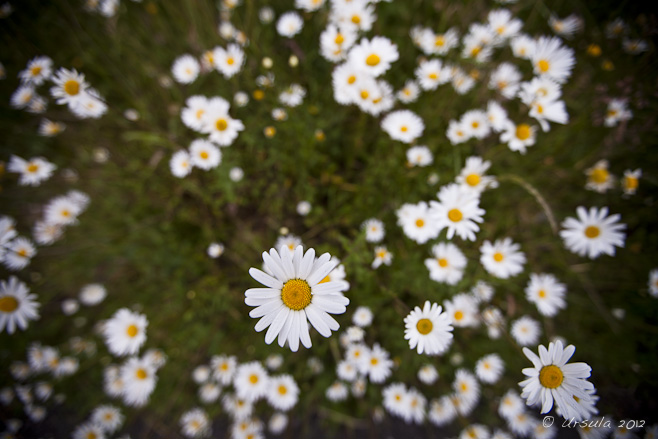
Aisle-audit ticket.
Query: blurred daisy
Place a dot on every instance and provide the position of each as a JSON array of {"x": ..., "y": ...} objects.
[
  {"x": 467, "y": 390},
  {"x": 518, "y": 137},
  {"x": 33, "y": 171},
  {"x": 223, "y": 129},
  {"x": 472, "y": 175},
  {"x": 489, "y": 368},
  {"x": 277, "y": 423},
  {"x": 22, "y": 97},
  {"x": 287, "y": 243},
  {"x": 92, "y": 294},
  {"x": 599, "y": 178},
  {"x": 419, "y": 156},
  {"x": 125, "y": 332},
  {"x": 617, "y": 111},
  {"x": 418, "y": 222},
  {"x": 293, "y": 95},
  {"x": 89, "y": 105},
  {"x": 505, "y": 79},
  {"x": 362, "y": 316},
  {"x": 377, "y": 364},
  {"x": 336, "y": 392},
  {"x": 476, "y": 124},
  {"x": 309, "y": 5},
  {"x": 62, "y": 211},
  {"x": 395, "y": 397},
  {"x": 441, "y": 411},
  {"x": 238, "y": 408},
  {"x": 502, "y": 23},
  {"x": 195, "y": 423},
  {"x": 566, "y": 27},
  {"x": 630, "y": 181},
  {"x": 70, "y": 86},
  {"x": 192, "y": 114},
  {"x": 88, "y": 430},
  {"x": 359, "y": 15},
  {"x": 447, "y": 264},
  {"x": 283, "y": 392},
  {"x": 510, "y": 405},
  {"x": 19, "y": 253},
  {"x": 475, "y": 431},
  {"x": 428, "y": 330},
  {"x": 180, "y": 164},
  {"x": 205, "y": 154},
  {"x": 215, "y": 250},
  {"x": 374, "y": 56},
  {"x": 209, "y": 392},
  {"x": 289, "y": 24},
  {"x": 108, "y": 417},
  {"x": 138, "y": 377},
  {"x": 408, "y": 93},
  {"x": 462, "y": 310},
  {"x": 403, "y": 125},
  {"x": 593, "y": 233},
  {"x": 37, "y": 71},
  {"x": 634, "y": 46},
  {"x": 551, "y": 59},
  {"x": 502, "y": 258},
  {"x": 553, "y": 380},
  {"x": 456, "y": 132},
  {"x": 525, "y": 331},
  {"x": 428, "y": 374},
  {"x": 431, "y": 73},
  {"x": 374, "y": 229},
  {"x": 545, "y": 291},
  {"x": 294, "y": 296},
  {"x": 17, "y": 307},
  {"x": 457, "y": 210},
  {"x": 49, "y": 128},
  {"x": 653, "y": 282},
  {"x": 335, "y": 42},
  {"x": 185, "y": 69},
  {"x": 228, "y": 61},
  {"x": 223, "y": 368}
]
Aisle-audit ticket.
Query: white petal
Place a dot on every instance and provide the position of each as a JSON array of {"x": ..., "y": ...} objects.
[
  {"x": 277, "y": 324},
  {"x": 265, "y": 279}
]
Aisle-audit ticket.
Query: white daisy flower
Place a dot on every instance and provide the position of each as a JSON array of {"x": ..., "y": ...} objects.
[
  {"x": 238, "y": 408},
  {"x": 544, "y": 111},
  {"x": 251, "y": 381},
  {"x": 62, "y": 211},
  {"x": 180, "y": 164},
  {"x": 195, "y": 423},
  {"x": 518, "y": 137},
  {"x": 374, "y": 229},
  {"x": 550, "y": 58},
  {"x": 125, "y": 332},
  {"x": 502, "y": 258},
  {"x": 510, "y": 405},
  {"x": 505, "y": 79},
  {"x": 475, "y": 431},
  {"x": 653, "y": 282},
  {"x": 420, "y": 156},
  {"x": 228, "y": 61},
  {"x": 215, "y": 250},
  {"x": 108, "y": 417},
  {"x": 38, "y": 70},
  {"x": 458, "y": 210},
  {"x": 630, "y": 181},
  {"x": 363, "y": 316},
  {"x": 428, "y": 330},
  {"x": 503, "y": 25},
  {"x": 599, "y": 178},
  {"x": 92, "y": 294},
  {"x": 462, "y": 310},
  {"x": 545, "y": 291},
  {"x": 377, "y": 364},
  {"x": 634, "y": 46},
  {"x": 289, "y": 24},
  {"x": 472, "y": 175},
  {"x": 309, "y": 5},
  {"x": 415, "y": 410},
  {"x": 540, "y": 89},
  {"x": 358, "y": 15},
  {"x": 223, "y": 368},
  {"x": 395, "y": 397},
  {"x": 428, "y": 374},
  {"x": 335, "y": 42},
  {"x": 209, "y": 392},
  {"x": 283, "y": 392},
  {"x": 447, "y": 264},
  {"x": 440, "y": 44},
  {"x": 185, "y": 69},
  {"x": 69, "y": 87},
  {"x": 277, "y": 423},
  {"x": 490, "y": 368},
  {"x": 337, "y": 392},
  {"x": 48, "y": 128},
  {"x": 287, "y": 243},
  {"x": 553, "y": 380},
  {"x": 409, "y": 93},
  {"x": 138, "y": 377},
  {"x": 18, "y": 253},
  {"x": 192, "y": 114},
  {"x": 566, "y": 27},
  {"x": 374, "y": 56},
  {"x": 617, "y": 111},
  {"x": 293, "y": 95},
  {"x": 88, "y": 430},
  {"x": 89, "y": 105},
  {"x": 456, "y": 133},
  {"x": 476, "y": 124},
  {"x": 33, "y": 171},
  {"x": 17, "y": 307},
  {"x": 523, "y": 46},
  {"x": 441, "y": 411},
  {"x": 223, "y": 129},
  {"x": 205, "y": 154},
  {"x": 431, "y": 73},
  {"x": 22, "y": 96},
  {"x": 418, "y": 222},
  {"x": 526, "y": 331},
  {"x": 382, "y": 256},
  {"x": 593, "y": 233}
]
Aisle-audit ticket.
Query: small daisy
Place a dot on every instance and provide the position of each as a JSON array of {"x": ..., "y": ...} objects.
[
  {"x": 431, "y": 73},
  {"x": 125, "y": 332},
  {"x": 505, "y": 79},
  {"x": 251, "y": 381},
  {"x": 283, "y": 392},
  {"x": 403, "y": 125},
  {"x": 593, "y": 233},
  {"x": 518, "y": 137},
  {"x": 447, "y": 264},
  {"x": 358, "y": 16},
  {"x": 48, "y": 128},
  {"x": 634, "y": 46},
  {"x": 293, "y": 95},
  {"x": 442, "y": 411},
  {"x": 205, "y": 154},
  {"x": 335, "y": 42},
  {"x": 382, "y": 256},
  {"x": 653, "y": 282},
  {"x": 363, "y": 316},
  {"x": 92, "y": 294},
  {"x": 228, "y": 61},
  {"x": 38, "y": 70},
  {"x": 289, "y": 24},
  {"x": 395, "y": 397},
  {"x": 374, "y": 229},
  {"x": 467, "y": 390},
  {"x": 443, "y": 43},
  {"x": 490, "y": 368},
  {"x": 180, "y": 164},
  {"x": 428, "y": 330},
  {"x": 19, "y": 253},
  {"x": 551, "y": 59},
  {"x": 456, "y": 133},
  {"x": 598, "y": 177},
  {"x": 223, "y": 368},
  {"x": 185, "y": 69},
  {"x": 472, "y": 175},
  {"x": 553, "y": 380},
  {"x": 377, "y": 364},
  {"x": 62, "y": 211},
  {"x": 138, "y": 377},
  {"x": 70, "y": 86},
  {"x": 22, "y": 97},
  {"x": 409, "y": 93},
  {"x": 428, "y": 374},
  {"x": 566, "y": 27},
  {"x": 108, "y": 417},
  {"x": 545, "y": 291},
  {"x": 88, "y": 430},
  {"x": 195, "y": 423},
  {"x": 458, "y": 210},
  {"x": 237, "y": 408},
  {"x": 33, "y": 171},
  {"x": 287, "y": 243},
  {"x": 525, "y": 331},
  {"x": 476, "y": 124},
  {"x": 17, "y": 307},
  {"x": 630, "y": 181},
  {"x": 374, "y": 56},
  {"x": 420, "y": 156},
  {"x": 418, "y": 222},
  {"x": 462, "y": 310},
  {"x": 277, "y": 423},
  {"x": 223, "y": 129},
  {"x": 502, "y": 258}
]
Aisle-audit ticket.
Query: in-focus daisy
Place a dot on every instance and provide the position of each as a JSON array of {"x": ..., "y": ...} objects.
[
  {"x": 447, "y": 264},
  {"x": 205, "y": 154},
  {"x": 418, "y": 222},
  {"x": 138, "y": 377},
  {"x": 195, "y": 423},
  {"x": 125, "y": 332},
  {"x": 525, "y": 331},
  {"x": 419, "y": 156},
  {"x": 428, "y": 330},
  {"x": 294, "y": 296},
  {"x": 545, "y": 291},
  {"x": 599, "y": 178},
  {"x": 374, "y": 229},
  {"x": 458, "y": 210},
  {"x": 289, "y": 24},
  {"x": 553, "y": 380},
  {"x": 490, "y": 368},
  {"x": 92, "y": 294},
  {"x": 593, "y": 233},
  {"x": 33, "y": 171},
  {"x": 550, "y": 58},
  {"x": 283, "y": 392},
  {"x": 631, "y": 181},
  {"x": 502, "y": 258},
  {"x": 185, "y": 69},
  {"x": 17, "y": 307},
  {"x": 37, "y": 71}
]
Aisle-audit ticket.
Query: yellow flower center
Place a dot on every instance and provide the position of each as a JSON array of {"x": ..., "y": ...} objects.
[
  {"x": 420, "y": 222},
  {"x": 131, "y": 331},
  {"x": 541, "y": 293},
  {"x": 539, "y": 108},
  {"x": 475, "y": 124},
  {"x": 455, "y": 215},
  {"x": 72, "y": 87},
  {"x": 141, "y": 374},
  {"x": 282, "y": 390},
  {"x": 221, "y": 124},
  {"x": 463, "y": 387},
  {"x": 381, "y": 254},
  {"x": 22, "y": 253},
  {"x": 259, "y": 94},
  {"x": 270, "y": 132},
  {"x": 296, "y": 294},
  {"x": 433, "y": 76},
  {"x": 230, "y": 61},
  {"x": 592, "y": 232},
  {"x": 35, "y": 70},
  {"x": 91, "y": 435},
  {"x": 8, "y": 304},
  {"x": 443, "y": 262},
  {"x": 356, "y": 19},
  {"x": 372, "y": 60},
  {"x": 364, "y": 94},
  {"x": 500, "y": 30},
  {"x": 631, "y": 183},
  {"x": 339, "y": 39},
  {"x": 459, "y": 315},
  {"x": 404, "y": 128},
  {"x": 543, "y": 65},
  {"x": 523, "y": 131},
  {"x": 594, "y": 50},
  {"x": 108, "y": 416},
  {"x": 439, "y": 41},
  {"x": 424, "y": 326},
  {"x": 203, "y": 155},
  {"x": 498, "y": 257},
  {"x": 551, "y": 376},
  {"x": 473, "y": 179},
  {"x": 253, "y": 378},
  {"x": 475, "y": 50},
  {"x": 351, "y": 79},
  {"x": 599, "y": 175},
  {"x": 374, "y": 361}
]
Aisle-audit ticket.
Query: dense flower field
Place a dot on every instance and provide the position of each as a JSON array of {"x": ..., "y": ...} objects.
[{"x": 318, "y": 218}]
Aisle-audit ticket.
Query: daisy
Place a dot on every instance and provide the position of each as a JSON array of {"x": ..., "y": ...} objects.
[
  {"x": 395, "y": 397},
  {"x": 501, "y": 23},
  {"x": 22, "y": 97},
  {"x": 618, "y": 111},
  {"x": 335, "y": 42},
  {"x": 566, "y": 27},
  {"x": 545, "y": 291},
  {"x": 108, "y": 417},
  {"x": 544, "y": 110},
  {"x": 69, "y": 87},
  {"x": 522, "y": 424},
  {"x": 409, "y": 93},
  {"x": 216, "y": 121},
  {"x": 653, "y": 282},
  {"x": 17, "y": 307},
  {"x": 598, "y": 177},
  {"x": 593, "y": 233},
  {"x": 431, "y": 73},
  {"x": 505, "y": 79},
  {"x": 420, "y": 156},
  {"x": 476, "y": 124},
  {"x": 48, "y": 128},
  {"x": 490, "y": 368},
  {"x": 125, "y": 332},
  {"x": 19, "y": 253},
  {"x": 502, "y": 258},
  {"x": 62, "y": 211},
  {"x": 228, "y": 61},
  {"x": 540, "y": 89},
  {"x": 518, "y": 137},
  {"x": 374, "y": 56},
  {"x": 467, "y": 390},
  {"x": 634, "y": 46},
  {"x": 472, "y": 176},
  {"x": 205, "y": 154},
  {"x": 138, "y": 377},
  {"x": 457, "y": 210},
  {"x": 88, "y": 430},
  {"x": 428, "y": 374},
  {"x": 287, "y": 243},
  {"x": 418, "y": 222},
  {"x": 475, "y": 431},
  {"x": 630, "y": 181},
  {"x": 462, "y": 310},
  {"x": 441, "y": 411},
  {"x": 215, "y": 250},
  {"x": 363, "y": 316},
  {"x": 377, "y": 364},
  {"x": 357, "y": 15},
  {"x": 89, "y": 105},
  {"x": 192, "y": 114},
  {"x": 374, "y": 229},
  {"x": 223, "y": 368},
  {"x": 277, "y": 423},
  {"x": 456, "y": 133},
  {"x": 185, "y": 69},
  {"x": 550, "y": 58},
  {"x": 237, "y": 408},
  {"x": 337, "y": 392},
  {"x": 195, "y": 423},
  {"x": 70, "y": 307},
  {"x": 293, "y": 95},
  {"x": 510, "y": 405},
  {"x": 38, "y": 70},
  {"x": 294, "y": 296},
  {"x": 309, "y": 5},
  {"x": 447, "y": 264},
  {"x": 525, "y": 331},
  {"x": 443, "y": 43},
  {"x": 92, "y": 294},
  {"x": 180, "y": 164},
  {"x": 523, "y": 46},
  {"x": 283, "y": 392},
  {"x": 552, "y": 379},
  {"x": 382, "y": 256},
  {"x": 428, "y": 330},
  {"x": 415, "y": 410},
  {"x": 289, "y": 24}
]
